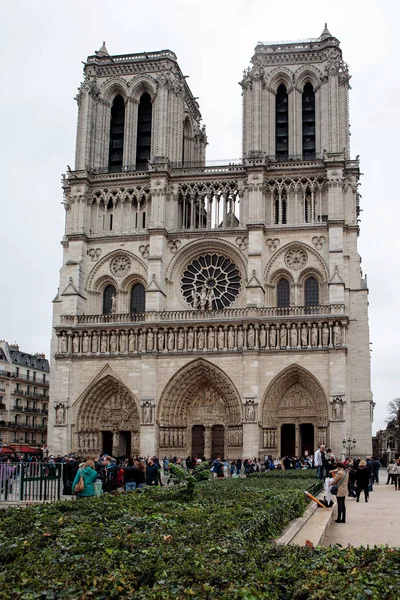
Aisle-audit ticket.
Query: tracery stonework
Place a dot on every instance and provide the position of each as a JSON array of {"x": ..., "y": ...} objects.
[
  {"x": 120, "y": 266},
  {"x": 296, "y": 259}
]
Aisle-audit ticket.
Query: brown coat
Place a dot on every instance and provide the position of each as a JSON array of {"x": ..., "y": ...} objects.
[{"x": 343, "y": 477}]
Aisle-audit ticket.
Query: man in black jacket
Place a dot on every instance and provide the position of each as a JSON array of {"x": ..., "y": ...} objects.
[{"x": 151, "y": 472}]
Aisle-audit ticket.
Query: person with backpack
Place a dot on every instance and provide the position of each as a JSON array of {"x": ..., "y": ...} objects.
[{"x": 89, "y": 476}]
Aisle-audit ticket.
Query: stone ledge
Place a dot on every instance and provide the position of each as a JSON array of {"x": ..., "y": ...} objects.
[{"x": 312, "y": 526}]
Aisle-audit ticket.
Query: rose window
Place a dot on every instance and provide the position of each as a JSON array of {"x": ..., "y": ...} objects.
[
  {"x": 296, "y": 259},
  {"x": 211, "y": 282},
  {"x": 120, "y": 266}
]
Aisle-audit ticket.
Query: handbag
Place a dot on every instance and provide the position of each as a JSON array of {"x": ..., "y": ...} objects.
[
  {"x": 335, "y": 487},
  {"x": 80, "y": 486}
]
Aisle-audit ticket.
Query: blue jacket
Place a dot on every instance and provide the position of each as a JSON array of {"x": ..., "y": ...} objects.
[{"x": 89, "y": 477}]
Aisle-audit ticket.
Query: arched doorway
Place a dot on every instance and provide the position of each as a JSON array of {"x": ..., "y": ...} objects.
[
  {"x": 108, "y": 420},
  {"x": 200, "y": 414},
  {"x": 294, "y": 414}
]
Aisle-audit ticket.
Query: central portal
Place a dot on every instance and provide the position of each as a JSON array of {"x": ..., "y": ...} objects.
[
  {"x": 198, "y": 441},
  {"x": 217, "y": 441}
]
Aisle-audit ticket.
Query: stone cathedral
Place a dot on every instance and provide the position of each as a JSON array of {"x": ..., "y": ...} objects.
[{"x": 212, "y": 310}]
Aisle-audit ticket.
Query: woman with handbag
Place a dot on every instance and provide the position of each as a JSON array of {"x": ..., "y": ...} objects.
[
  {"x": 363, "y": 476},
  {"x": 85, "y": 477},
  {"x": 338, "y": 488}
]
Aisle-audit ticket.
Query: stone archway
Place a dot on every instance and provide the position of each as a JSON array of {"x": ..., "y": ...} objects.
[
  {"x": 108, "y": 420},
  {"x": 294, "y": 413},
  {"x": 200, "y": 408}
]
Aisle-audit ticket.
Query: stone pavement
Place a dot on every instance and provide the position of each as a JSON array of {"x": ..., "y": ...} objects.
[{"x": 375, "y": 522}]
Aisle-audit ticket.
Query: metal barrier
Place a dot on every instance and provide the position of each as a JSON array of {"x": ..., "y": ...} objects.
[{"x": 30, "y": 482}]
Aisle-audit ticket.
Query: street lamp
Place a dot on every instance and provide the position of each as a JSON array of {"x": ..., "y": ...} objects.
[{"x": 349, "y": 445}]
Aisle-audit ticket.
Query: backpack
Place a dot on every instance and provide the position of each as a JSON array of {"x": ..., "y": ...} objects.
[{"x": 120, "y": 478}]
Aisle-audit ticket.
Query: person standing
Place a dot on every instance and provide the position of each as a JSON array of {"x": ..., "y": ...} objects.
[
  {"x": 341, "y": 479},
  {"x": 319, "y": 461},
  {"x": 151, "y": 472},
  {"x": 89, "y": 476},
  {"x": 376, "y": 465},
  {"x": 363, "y": 477}
]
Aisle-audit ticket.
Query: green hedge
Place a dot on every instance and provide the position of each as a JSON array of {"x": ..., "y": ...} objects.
[{"x": 155, "y": 546}]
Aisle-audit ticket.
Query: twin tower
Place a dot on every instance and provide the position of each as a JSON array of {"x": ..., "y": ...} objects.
[{"x": 208, "y": 310}]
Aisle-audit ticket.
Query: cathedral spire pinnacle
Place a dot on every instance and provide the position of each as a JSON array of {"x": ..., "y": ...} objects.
[
  {"x": 103, "y": 51},
  {"x": 326, "y": 33}
]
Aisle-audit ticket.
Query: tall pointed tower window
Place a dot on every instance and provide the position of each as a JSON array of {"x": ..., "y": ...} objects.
[
  {"x": 308, "y": 113},
  {"x": 137, "y": 299},
  {"x": 117, "y": 125},
  {"x": 143, "y": 147},
  {"x": 109, "y": 296},
  {"x": 281, "y": 124},
  {"x": 283, "y": 294},
  {"x": 311, "y": 292}
]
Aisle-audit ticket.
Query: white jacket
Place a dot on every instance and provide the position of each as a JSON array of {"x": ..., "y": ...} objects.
[{"x": 318, "y": 458}]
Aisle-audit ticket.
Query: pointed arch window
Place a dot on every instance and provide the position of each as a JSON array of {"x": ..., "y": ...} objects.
[
  {"x": 308, "y": 114},
  {"x": 311, "y": 292},
  {"x": 281, "y": 124},
  {"x": 283, "y": 294},
  {"x": 138, "y": 302},
  {"x": 143, "y": 146},
  {"x": 116, "y": 152},
  {"x": 280, "y": 207},
  {"x": 109, "y": 296}
]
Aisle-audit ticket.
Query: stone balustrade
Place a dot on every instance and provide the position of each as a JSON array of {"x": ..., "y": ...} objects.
[{"x": 316, "y": 333}]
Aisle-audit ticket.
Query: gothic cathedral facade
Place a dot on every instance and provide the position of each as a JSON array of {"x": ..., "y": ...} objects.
[{"x": 212, "y": 310}]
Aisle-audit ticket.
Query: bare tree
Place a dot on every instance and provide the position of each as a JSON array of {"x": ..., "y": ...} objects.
[{"x": 393, "y": 419}]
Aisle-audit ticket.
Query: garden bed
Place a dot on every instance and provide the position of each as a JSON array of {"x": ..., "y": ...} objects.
[{"x": 159, "y": 545}]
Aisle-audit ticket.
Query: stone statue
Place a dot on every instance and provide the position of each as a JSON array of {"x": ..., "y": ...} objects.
[
  {"x": 250, "y": 411},
  {"x": 142, "y": 341},
  {"x": 85, "y": 344},
  {"x": 150, "y": 341},
  {"x": 115, "y": 439},
  {"x": 195, "y": 297},
  {"x": 210, "y": 298},
  {"x": 240, "y": 338},
  {"x": 60, "y": 414},
  {"x": 293, "y": 336},
  {"x": 337, "y": 334},
  {"x": 263, "y": 337},
  {"x": 122, "y": 342},
  {"x": 64, "y": 345},
  {"x": 160, "y": 339},
  {"x": 250, "y": 337},
  {"x": 304, "y": 336},
  {"x": 314, "y": 336},
  {"x": 203, "y": 297},
  {"x": 131, "y": 342},
  {"x": 200, "y": 339},
  {"x": 103, "y": 343},
  {"x": 113, "y": 304},
  {"x": 211, "y": 339},
  {"x": 272, "y": 337},
  {"x": 147, "y": 413},
  {"x": 113, "y": 342},
  {"x": 220, "y": 339},
  {"x": 338, "y": 409},
  {"x": 190, "y": 339},
  {"x": 283, "y": 337},
  {"x": 231, "y": 338},
  {"x": 181, "y": 340},
  {"x": 94, "y": 343},
  {"x": 171, "y": 340},
  {"x": 75, "y": 344},
  {"x": 325, "y": 335}
]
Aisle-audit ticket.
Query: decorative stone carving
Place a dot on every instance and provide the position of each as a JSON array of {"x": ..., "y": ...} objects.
[
  {"x": 241, "y": 242},
  {"x": 337, "y": 334},
  {"x": 113, "y": 304},
  {"x": 296, "y": 259},
  {"x": 250, "y": 411},
  {"x": 120, "y": 266},
  {"x": 272, "y": 244},
  {"x": 94, "y": 254},
  {"x": 270, "y": 438},
  {"x": 174, "y": 245},
  {"x": 61, "y": 414},
  {"x": 147, "y": 413},
  {"x": 144, "y": 250},
  {"x": 337, "y": 409},
  {"x": 319, "y": 241}
]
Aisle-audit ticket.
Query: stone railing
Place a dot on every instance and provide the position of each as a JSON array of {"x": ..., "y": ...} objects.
[
  {"x": 228, "y": 314},
  {"x": 317, "y": 333}
]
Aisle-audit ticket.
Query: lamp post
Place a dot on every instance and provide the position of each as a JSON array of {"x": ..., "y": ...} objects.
[{"x": 349, "y": 445}]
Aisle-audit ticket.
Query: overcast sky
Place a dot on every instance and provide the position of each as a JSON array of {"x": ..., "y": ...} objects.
[{"x": 42, "y": 44}]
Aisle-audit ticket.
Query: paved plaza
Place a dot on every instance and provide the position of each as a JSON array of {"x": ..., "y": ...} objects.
[{"x": 372, "y": 523}]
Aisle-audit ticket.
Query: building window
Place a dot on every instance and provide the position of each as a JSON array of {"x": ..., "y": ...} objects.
[
  {"x": 283, "y": 294},
  {"x": 28, "y": 374},
  {"x": 117, "y": 125},
  {"x": 109, "y": 296},
  {"x": 281, "y": 124},
  {"x": 44, "y": 378},
  {"x": 138, "y": 302},
  {"x": 143, "y": 146},
  {"x": 17, "y": 371},
  {"x": 308, "y": 113},
  {"x": 311, "y": 292}
]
